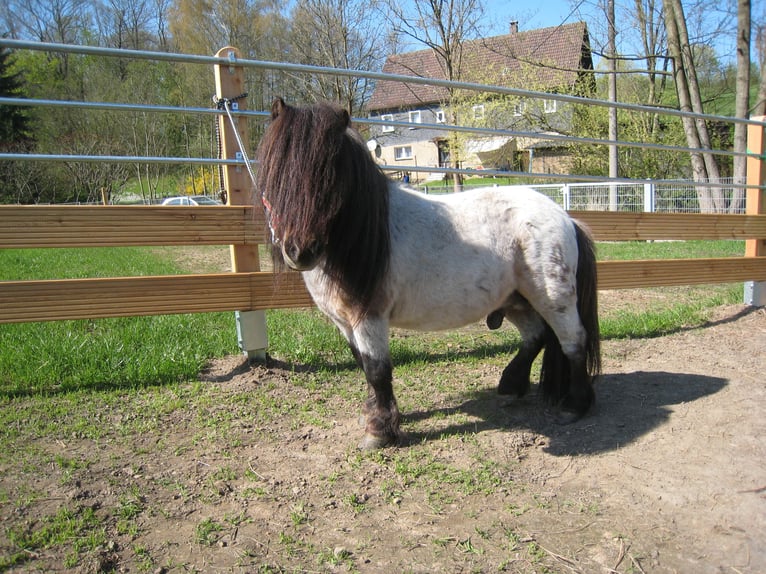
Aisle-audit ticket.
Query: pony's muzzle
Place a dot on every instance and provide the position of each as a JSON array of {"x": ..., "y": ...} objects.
[{"x": 301, "y": 258}]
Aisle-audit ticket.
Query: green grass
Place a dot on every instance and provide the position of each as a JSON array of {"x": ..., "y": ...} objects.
[
  {"x": 626, "y": 250},
  {"x": 77, "y": 528},
  {"x": 689, "y": 306},
  {"x": 166, "y": 185},
  {"x": 28, "y": 264},
  {"x": 110, "y": 353},
  {"x": 106, "y": 353},
  {"x": 662, "y": 320}
]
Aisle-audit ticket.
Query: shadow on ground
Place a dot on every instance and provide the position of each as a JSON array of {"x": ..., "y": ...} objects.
[{"x": 628, "y": 406}]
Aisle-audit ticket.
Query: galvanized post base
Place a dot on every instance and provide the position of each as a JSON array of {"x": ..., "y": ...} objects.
[
  {"x": 251, "y": 334},
  {"x": 755, "y": 293}
]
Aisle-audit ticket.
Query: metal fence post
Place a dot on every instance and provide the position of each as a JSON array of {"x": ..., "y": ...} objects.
[
  {"x": 755, "y": 204},
  {"x": 649, "y": 197},
  {"x": 230, "y": 84}
]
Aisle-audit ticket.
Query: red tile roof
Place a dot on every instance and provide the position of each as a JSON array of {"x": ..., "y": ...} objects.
[{"x": 545, "y": 59}]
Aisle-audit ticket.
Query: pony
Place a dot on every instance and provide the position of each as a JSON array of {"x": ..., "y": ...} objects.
[{"x": 375, "y": 254}]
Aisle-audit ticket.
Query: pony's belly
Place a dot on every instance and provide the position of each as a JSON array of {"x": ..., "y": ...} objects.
[
  {"x": 439, "y": 318},
  {"x": 442, "y": 297}
]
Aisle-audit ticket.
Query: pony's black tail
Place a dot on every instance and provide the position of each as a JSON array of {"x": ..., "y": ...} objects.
[{"x": 556, "y": 374}]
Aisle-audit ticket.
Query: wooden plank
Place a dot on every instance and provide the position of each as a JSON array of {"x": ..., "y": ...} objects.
[
  {"x": 127, "y": 296},
  {"x": 24, "y": 226},
  {"x": 116, "y": 225},
  {"x": 629, "y": 226},
  {"x": 22, "y": 301},
  {"x": 670, "y": 272},
  {"x": 109, "y": 226}
]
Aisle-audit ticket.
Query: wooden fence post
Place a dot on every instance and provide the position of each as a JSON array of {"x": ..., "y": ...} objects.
[
  {"x": 230, "y": 83},
  {"x": 755, "y": 204}
]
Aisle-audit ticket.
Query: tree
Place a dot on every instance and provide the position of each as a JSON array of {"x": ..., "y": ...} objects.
[
  {"x": 15, "y": 128},
  {"x": 442, "y": 26},
  {"x": 742, "y": 99},
  {"x": 704, "y": 166},
  {"x": 256, "y": 27},
  {"x": 340, "y": 34},
  {"x": 14, "y": 122},
  {"x": 651, "y": 27},
  {"x": 635, "y": 162},
  {"x": 759, "y": 106}
]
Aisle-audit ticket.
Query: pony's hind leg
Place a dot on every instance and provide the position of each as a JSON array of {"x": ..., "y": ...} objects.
[
  {"x": 515, "y": 377},
  {"x": 564, "y": 377}
]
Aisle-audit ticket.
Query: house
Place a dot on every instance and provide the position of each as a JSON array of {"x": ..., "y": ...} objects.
[{"x": 554, "y": 60}]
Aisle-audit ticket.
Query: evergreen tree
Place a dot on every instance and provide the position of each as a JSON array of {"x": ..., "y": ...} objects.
[{"x": 14, "y": 122}]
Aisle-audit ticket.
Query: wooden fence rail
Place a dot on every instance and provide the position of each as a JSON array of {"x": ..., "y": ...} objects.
[
  {"x": 118, "y": 226},
  {"x": 113, "y": 226}
]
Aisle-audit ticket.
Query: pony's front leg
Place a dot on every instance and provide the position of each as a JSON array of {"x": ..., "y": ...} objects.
[
  {"x": 380, "y": 410},
  {"x": 369, "y": 342}
]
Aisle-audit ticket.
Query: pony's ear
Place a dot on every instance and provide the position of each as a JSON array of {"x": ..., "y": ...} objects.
[
  {"x": 277, "y": 107},
  {"x": 345, "y": 117}
]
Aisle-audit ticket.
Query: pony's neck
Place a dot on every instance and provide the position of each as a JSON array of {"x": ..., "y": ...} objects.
[{"x": 359, "y": 248}]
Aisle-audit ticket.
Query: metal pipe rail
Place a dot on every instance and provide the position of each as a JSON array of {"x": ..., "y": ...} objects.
[
  {"x": 305, "y": 68},
  {"x": 109, "y": 106}
]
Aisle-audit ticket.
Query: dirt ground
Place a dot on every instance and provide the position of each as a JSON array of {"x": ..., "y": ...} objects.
[{"x": 668, "y": 474}]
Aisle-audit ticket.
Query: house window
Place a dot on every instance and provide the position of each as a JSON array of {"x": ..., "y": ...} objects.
[
  {"x": 549, "y": 106},
  {"x": 478, "y": 112},
  {"x": 440, "y": 118},
  {"x": 415, "y": 117},
  {"x": 403, "y": 152},
  {"x": 518, "y": 108},
  {"x": 387, "y": 118}
]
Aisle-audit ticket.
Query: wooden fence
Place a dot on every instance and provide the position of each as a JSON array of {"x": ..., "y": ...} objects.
[
  {"x": 247, "y": 289},
  {"x": 112, "y": 226}
]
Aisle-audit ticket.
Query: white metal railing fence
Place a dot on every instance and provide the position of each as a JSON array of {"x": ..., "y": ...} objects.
[{"x": 648, "y": 197}]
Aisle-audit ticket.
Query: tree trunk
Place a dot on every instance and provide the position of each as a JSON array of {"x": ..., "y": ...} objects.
[
  {"x": 742, "y": 102},
  {"x": 612, "y": 65},
  {"x": 759, "y": 109},
  {"x": 646, "y": 29},
  {"x": 700, "y": 171}
]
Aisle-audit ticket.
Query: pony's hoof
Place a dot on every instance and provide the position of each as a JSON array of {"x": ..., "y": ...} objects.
[
  {"x": 373, "y": 442},
  {"x": 513, "y": 387},
  {"x": 567, "y": 417}
]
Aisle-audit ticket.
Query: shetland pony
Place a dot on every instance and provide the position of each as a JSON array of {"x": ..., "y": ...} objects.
[{"x": 375, "y": 254}]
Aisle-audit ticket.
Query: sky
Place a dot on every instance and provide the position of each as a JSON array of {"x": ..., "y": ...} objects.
[
  {"x": 546, "y": 13},
  {"x": 543, "y": 13}
]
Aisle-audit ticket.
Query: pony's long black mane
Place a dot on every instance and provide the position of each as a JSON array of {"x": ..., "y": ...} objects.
[{"x": 321, "y": 183}]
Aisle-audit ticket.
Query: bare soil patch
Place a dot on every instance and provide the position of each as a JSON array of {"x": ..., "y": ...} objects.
[{"x": 259, "y": 472}]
